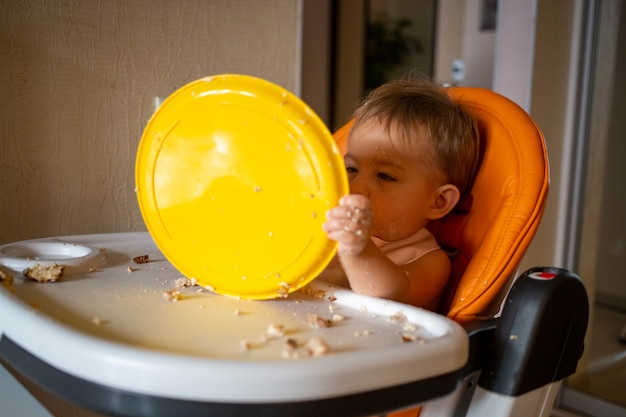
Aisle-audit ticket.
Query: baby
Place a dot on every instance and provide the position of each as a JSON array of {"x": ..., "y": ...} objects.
[{"x": 412, "y": 154}]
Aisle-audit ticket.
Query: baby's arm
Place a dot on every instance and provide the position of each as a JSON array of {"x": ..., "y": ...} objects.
[{"x": 370, "y": 272}]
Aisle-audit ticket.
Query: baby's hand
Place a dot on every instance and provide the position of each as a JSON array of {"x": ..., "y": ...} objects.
[{"x": 349, "y": 223}]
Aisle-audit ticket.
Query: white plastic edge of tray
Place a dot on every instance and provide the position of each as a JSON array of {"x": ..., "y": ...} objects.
[{"x": 148, "y": 372}]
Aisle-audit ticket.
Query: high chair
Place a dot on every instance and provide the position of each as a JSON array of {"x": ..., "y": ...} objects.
[
  {"x": 110, "y": 342},
  {"x": 518, "y": 359}
]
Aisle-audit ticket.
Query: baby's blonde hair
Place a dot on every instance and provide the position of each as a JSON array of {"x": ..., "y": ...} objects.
[{"x": 408, "y": 104}]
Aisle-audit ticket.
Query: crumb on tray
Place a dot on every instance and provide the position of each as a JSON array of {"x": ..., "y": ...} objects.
[
  {"x": 185, "y": 282},
  {"x": 317, "y": 347},
  {"x": 398, "y": 318},
  {"x": 141, "y": 259},
  {"x": 317, "y": 322},
  {"x": 6, "y": 280},
  {"x": 172, "y": 295},
  {"x": 45, "y": 273},
  {"x": 275, "y": 331}
]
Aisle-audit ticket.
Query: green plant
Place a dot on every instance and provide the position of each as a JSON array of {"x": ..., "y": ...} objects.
[{"x": 387, "y": 46}]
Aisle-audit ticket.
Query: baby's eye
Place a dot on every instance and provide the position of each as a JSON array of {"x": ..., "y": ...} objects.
[
  {"x": 351, "y": 170},
  {"x": 385, "y": 177}
]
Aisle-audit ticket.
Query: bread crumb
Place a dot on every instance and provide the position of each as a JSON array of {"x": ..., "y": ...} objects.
[
  {"x": 410, "y": 327},
  {"x": 185, "y": 282},
  {"x": 130, "y": 269},
  {"x": 274, "y": 331},
  {"x": 406, "y": 337},
  {"x": 291, "y": 344},
  {"x": 6, "y": 280},
  {"x": 172, "y": 295},
  {"x": 337, "y": 318},
  {"x": 283, "y": 291},
  {"x": 317, "y": 322},
  {"x": 45, "y": 273},
  {"x": 398, "y": 318},
  {"x": 141, "y": 259},
  {"x": 290, "y": 348},
  {"x": 317, "y": 347},
  {"x": 92, "y": 269},
  {"x": 245, "y": 345},
  {"x": 319, "y": 295},
  {"x": 240, "y": 313}
]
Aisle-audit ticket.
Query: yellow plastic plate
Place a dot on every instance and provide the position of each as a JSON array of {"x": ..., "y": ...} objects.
[{"x": 234, "y": 176}]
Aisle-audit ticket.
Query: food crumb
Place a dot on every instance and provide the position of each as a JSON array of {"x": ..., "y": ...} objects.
[
  {"x": 47, "y": 273},
  {"x": 185, "y": 282},
  {"x": 6, "y": 280},
  {"x": 275, "y": 331},
  {"x": 398, "y": 318},
  {"x": 291, "y": 344},
  {"x": 409, "y": 327},
  {"x": 317, "y": 347},
  {"x": 283, "y": 291},
  {"x": 130, "y": 269},
  {"x": 172, "y": 295},
  {"x": 245, "y": 345},
  {"x": 290, "y": 349},
  {"x": 337, "y": 318},
  {"x": 319, "y": 295},
  {"x": 141, "y": 259},
  {"x": 406, "y": 337},
  {"x": 92, "y": 269},
  {"x": 317, "y": 322}
]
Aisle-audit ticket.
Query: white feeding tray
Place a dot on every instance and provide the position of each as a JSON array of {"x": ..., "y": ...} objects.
[
  {"x": 116, "y": 325},
  {"x": 21, "y": 255}
]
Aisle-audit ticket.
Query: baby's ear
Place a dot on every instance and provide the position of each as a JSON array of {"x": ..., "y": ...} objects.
[{"x": 445, "y": 199}]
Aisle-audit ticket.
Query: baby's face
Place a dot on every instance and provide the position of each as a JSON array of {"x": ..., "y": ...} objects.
[{"x": 396, "y": 176}]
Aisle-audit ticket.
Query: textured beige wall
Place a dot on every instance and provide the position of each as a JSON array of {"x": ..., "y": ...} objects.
[{"x": 78, "y": 81}]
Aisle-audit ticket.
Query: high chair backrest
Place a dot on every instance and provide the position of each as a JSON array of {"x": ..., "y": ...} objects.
[{"x": 489, "y": 231}]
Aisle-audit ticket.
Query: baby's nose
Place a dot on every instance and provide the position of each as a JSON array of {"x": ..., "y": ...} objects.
[{"x": 358, "y": 186}]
